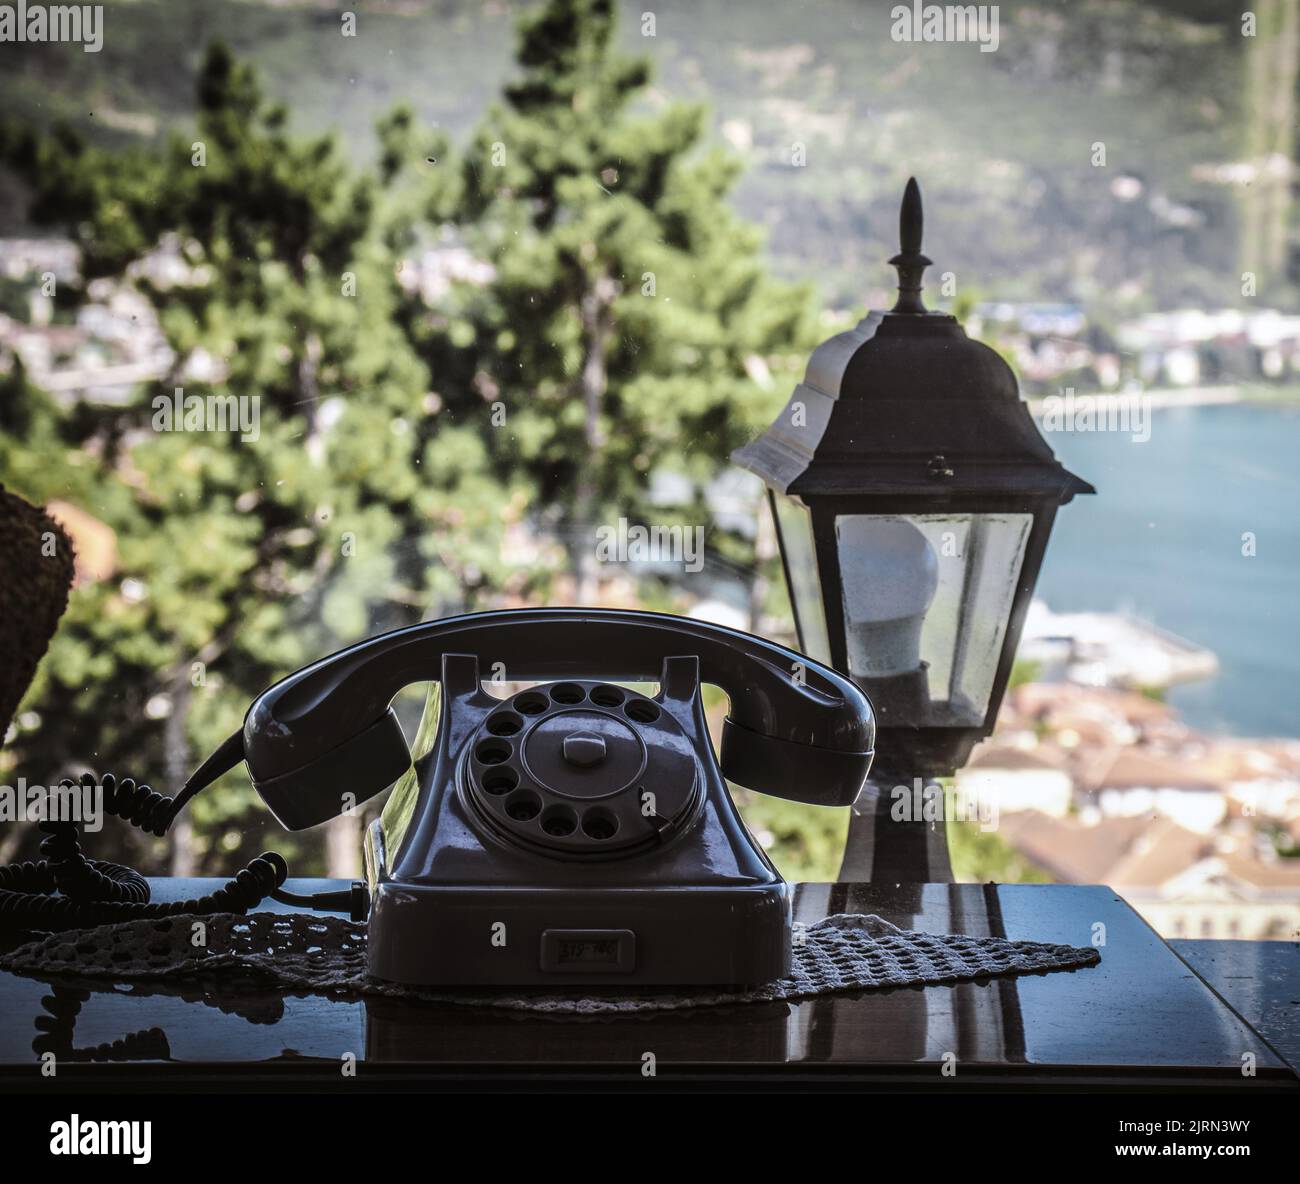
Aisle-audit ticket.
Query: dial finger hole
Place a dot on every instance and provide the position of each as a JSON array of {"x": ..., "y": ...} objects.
[
  {"x": 523, "y": 806},
  {"x": 500, "y": 781},
  {"x": 504, "y": 723},
  {"x": 531, "y": 703},
  {"x": 559, "y": 821},
  {"x": 643, "y": 711},
  {"x": 492, "y": 752},
  {"x": 599, "y": 824}
]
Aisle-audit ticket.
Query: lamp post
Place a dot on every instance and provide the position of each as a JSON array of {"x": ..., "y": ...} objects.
[{"x": 913, "y": 498}]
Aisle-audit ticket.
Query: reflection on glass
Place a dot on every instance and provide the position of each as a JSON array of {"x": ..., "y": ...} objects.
[
  {"x": 884, "y": 614},
  {"x": 794, "y": 524},
  {"x": 927, "y": 600}
]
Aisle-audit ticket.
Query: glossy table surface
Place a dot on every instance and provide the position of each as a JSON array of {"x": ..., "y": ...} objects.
[
  {"x": 1260, "y": 979},
  {"x": 1141, "y": 1018}
]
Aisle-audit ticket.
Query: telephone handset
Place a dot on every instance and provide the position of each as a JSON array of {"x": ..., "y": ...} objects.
[
  {"x": 578, "y": 832},
  {"x": 796, "y": 729}
]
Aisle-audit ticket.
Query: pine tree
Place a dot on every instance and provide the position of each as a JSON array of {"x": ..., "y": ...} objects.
[
  {"x": 354, "y": 507},
  {"x": 629, "y": 310},
  {"x": 623, "y": 332}
]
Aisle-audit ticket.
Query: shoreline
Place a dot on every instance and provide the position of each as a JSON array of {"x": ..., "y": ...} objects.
[{"x": 1161, "y": 398}]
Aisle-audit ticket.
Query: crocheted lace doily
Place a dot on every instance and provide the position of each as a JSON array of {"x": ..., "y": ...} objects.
[{"x": 327, "y": 955}]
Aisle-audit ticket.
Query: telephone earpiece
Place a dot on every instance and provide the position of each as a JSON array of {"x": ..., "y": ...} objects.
[
  {"x": 362, "y": 765},
  {"x": 796, "y": 729}
]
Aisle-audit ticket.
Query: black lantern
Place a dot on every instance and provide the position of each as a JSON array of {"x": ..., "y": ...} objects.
[{"x": 913, "y": 499}]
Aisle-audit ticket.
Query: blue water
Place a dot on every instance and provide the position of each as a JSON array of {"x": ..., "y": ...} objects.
[{"x": 1163, "y": 538}]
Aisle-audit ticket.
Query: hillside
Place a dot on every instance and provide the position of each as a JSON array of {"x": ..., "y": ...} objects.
[{"x": 1001, "y": 141}]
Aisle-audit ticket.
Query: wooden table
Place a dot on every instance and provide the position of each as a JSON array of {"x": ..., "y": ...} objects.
[{"x": 1141, "y": 1019}]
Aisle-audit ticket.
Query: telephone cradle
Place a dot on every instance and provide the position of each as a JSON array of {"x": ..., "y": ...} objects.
[{"x": 577, "y": 833}]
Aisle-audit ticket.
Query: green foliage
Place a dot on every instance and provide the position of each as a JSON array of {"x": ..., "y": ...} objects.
[
  {"x": 627, "y": 303},
  {"x": 239, "y": 555},
  {"x": 1023, "y": 670},
  {"x": 979, "y": 856},
  {"x": 377, "y": 486},
  {"x": 805, "y": 842}
]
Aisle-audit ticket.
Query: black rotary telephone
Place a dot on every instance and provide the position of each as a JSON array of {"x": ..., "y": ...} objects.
[{"x": 578, "y": 832}]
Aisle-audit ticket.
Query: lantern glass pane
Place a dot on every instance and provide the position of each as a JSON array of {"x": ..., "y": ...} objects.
[
  {"x": 927, "y": 602},
  {"x": 795, "y": 535}
]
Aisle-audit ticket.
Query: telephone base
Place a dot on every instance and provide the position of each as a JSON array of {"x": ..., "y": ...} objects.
[
  {"x": 580, "y": 835},
  {"x": 592, "y": 937}
]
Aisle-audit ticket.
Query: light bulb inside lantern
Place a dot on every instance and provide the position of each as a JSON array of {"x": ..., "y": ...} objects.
[{"x": 890, "y": 574}]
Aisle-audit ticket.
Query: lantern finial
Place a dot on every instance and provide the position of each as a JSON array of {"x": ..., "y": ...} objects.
[{"x": 909, "y": 261}]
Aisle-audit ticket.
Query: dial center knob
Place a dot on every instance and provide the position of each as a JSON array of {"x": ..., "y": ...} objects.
[
  {"x": 584, "y": 753},
  {"x": 584, "y": 749}
]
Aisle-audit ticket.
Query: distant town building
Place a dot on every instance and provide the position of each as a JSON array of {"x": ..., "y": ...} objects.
[
  {"x": 1199, "y": 833},
  {"x": 1109, "y": 650},
  {"x": 115, "y": 344},
  {"x": 1176, "y": 879},
  {"x": 1053, "y": 344},
  {"x": 1137, "y": 784},
  {"x": 433, "y": 272},
  {"x": 32, "y": 258},
  {"x": 1015, "y": 779}
]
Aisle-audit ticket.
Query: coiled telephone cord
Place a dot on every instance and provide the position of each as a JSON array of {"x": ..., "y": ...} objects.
[
  {"x": 95, "y": 892},
  {"x": 56, "y": 1029},
  {"x": 68, "y": 890}
]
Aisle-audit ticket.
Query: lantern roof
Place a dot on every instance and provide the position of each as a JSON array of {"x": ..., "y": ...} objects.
[{"x": 905, "y": 403}]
